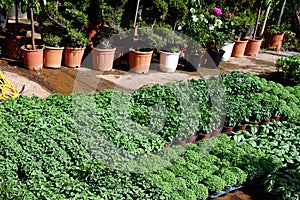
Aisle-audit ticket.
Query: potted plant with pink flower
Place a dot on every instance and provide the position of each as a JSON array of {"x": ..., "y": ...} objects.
[{"x": 220, "y": 32}]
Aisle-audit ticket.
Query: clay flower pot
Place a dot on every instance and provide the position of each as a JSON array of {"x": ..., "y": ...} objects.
[
  {"x": 139, "y": 61},
  {"x": 73, "y": 56},
  {"x": 53, "y": 56},
  {"x": 265, "y": 121},
  {"x": 33, "y": 59},
  {"x": 273, "y": 40},
  {"x": 239, "y": 48},
  {"x": 227, "y": 129},
  {"x": 13, "y": 46},
  {"x": 103, "y": 59},
  {"x": 240, "y": 127},
  {"x": 253, "y": 46},
  {"x": 215, "y": 132}
]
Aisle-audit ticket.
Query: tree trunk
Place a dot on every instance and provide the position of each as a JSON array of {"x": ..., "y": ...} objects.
[
  {"x": 32, "y": 28},
  {"x": 265, "y": 20}
]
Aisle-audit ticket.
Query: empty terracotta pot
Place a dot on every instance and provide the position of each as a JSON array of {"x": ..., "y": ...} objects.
[
  {"x": 139, "y": 61},
  {"x": 253, "y": 46},
  {"x": 239, "y": 48}
]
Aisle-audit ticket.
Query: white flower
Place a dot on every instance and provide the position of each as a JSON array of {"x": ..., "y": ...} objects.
[
  {"x": 211, "y": 28},
  {"x": 192, "y": 10},
  {"x": 218, "y": 23},
  {"x": 205, "y": 20},
  {"x": 194, "y": 18},
  {"x": 179, "y": 28}
]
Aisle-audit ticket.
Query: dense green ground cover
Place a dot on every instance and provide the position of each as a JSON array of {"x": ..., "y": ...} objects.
[{"x": 109, "y": 145}]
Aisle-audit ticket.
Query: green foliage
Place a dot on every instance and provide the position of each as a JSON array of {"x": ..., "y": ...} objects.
[
  {"x": 7, "y": 4},
  {"x": 75, "y": 38},
  {"x": 290, "y": 66},
  {"x": 285, "y": 183},
  {"x": 215, "y": 183},
  {"x": 52, "y": 40}
]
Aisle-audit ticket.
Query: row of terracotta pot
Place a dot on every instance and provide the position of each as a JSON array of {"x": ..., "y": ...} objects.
[
  {"x": 35, "y": 59},
  {"x": 250, "y": 47}
]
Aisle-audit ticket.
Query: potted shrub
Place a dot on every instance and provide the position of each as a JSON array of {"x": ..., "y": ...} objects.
[
  {"x": 75, "y": 43},
  {"x": 32, "y": 54},
  {"x": 53, "y": 51},
  {"x": 140, "y": 54},
  {"x": 103, "y": 56},
  {"x": 274, "y": 37},
  {"x": 170, "y": 52}
]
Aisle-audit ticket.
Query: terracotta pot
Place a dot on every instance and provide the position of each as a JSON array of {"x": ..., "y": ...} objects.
[
  {"x": 181, "y": 143},
  {"x": 103, "y": 59},
  {"x": 191, "y": 139},
  {"x": 265, "y": 121},
  {"x": 239, "y": 48},
  {"x": 168, "y": 145},
  {"x": 168, "y": 61},
  {"x": 139, "y": 61},
  {"x": 227, "y": 129},
  {"x": 227, "y": 47},
  {"x": 273, "y": 40},
  {"x": 73, "y": 56},
  {"x": 253, "y": 46},
  {"x": 240, "y": 127},
  {"x": 13, "y": 47},
  {"x": 254, "y": 123},
  {"x": 33, "y": 59},
  {"x": 215, "y": 132},
  {"x": 53, "y": 56},
  {"x": 205, "y": 136}
]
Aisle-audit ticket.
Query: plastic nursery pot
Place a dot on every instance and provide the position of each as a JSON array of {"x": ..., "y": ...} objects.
[
  {"x": 73, "y": 56},
  {"x": 103, "y": 59},
  {"x": 139, "y": 61},
  {"x": 216, "y": 55},
  {"x": 168, "y": 61},
  {"x": 13, "y": 46},
  {"x": 239, "y": 48},
  {"x": 33, "y": 58},
  {"x": 215, "y": 132},
  {"x": 181, "y": 143},
  {"x": 168, "y": 145},
  {"x": 227, "y": 47},
  {"x": 240, "y": 127},
  {"x": 53, "y": 56},
  {"x": 227, "y": 129},
  {"x": 253, "y": 46},
  {"x": 254, "y": 123},
  {"x": 265, "y": 121},
  {"x": 205, "y": 136}
]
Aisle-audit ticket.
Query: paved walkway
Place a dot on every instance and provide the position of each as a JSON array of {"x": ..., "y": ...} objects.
[{"x": 66, "y": 80}]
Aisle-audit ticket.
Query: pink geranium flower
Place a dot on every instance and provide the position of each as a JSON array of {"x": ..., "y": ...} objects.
[
  {"x": 229, "y": 15},
  {"x": 217, "y": 11}
]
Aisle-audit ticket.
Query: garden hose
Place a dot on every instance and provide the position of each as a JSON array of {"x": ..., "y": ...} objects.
[{"x": 7, "y": 90}]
